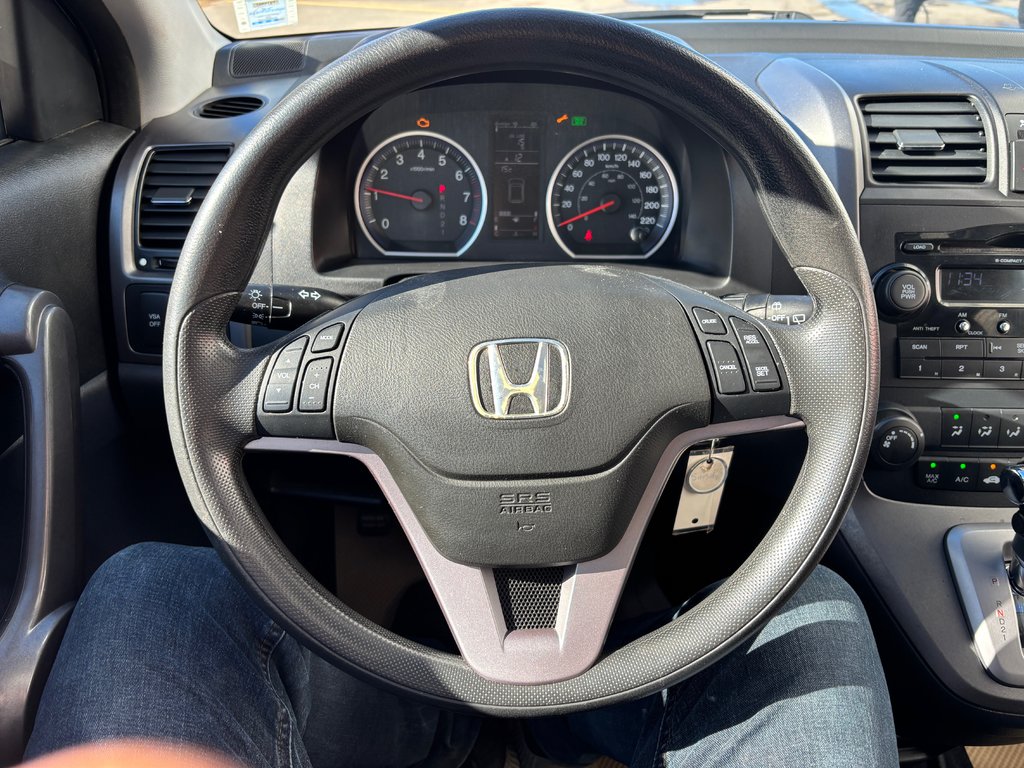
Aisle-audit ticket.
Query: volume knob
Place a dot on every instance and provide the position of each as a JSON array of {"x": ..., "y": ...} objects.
[{"x": 901, "y": 291}]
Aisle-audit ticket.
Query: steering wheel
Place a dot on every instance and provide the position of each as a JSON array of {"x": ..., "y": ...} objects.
[{"x": 524, "y": 496}]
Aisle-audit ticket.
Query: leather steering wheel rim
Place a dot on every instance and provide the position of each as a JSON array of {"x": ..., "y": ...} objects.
[{"x": 211, "y": 387}]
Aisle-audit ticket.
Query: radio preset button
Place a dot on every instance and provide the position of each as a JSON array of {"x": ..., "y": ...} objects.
[
  {"x": 1002, "y": 369},
  {"x": 959, "y": 348},
  {"x": 962, "y": 369},
  {"x": 919, "y": 348},
  {"x": 916, "y": 368}
]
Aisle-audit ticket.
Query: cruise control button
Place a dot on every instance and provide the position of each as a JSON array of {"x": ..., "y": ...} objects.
[
  {"x": 962, "y": 369},
  {"x": 1007, "y": 349},
  {"x": 728, "y": 376},
  {"x": 956, "y": 426},
  {"x": 985, "y": 427},
  {"x": 919, "y": 348},
  {"x": 1011, "y": 428},
  {"x": 327, "y": 340},
  {"x": 920, "y": 369},
  {"x": 1002, "y": 369},
  {"x": 962, "y": 347},
  {"x": 709, "y": 322},
  {"x": 315, "y": 385},
  {"x": 761, "y": 369}
]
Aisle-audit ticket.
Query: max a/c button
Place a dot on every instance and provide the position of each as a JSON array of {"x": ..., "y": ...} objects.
[{"x": 728, "y": 374}]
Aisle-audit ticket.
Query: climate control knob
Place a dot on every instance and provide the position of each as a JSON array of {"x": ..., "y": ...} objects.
[
  {"x": 898, "y": 439},
  {"x": 901, "y": 291}
]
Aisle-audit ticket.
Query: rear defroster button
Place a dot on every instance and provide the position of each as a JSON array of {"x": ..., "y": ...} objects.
[{"x": 728, "y": 375}]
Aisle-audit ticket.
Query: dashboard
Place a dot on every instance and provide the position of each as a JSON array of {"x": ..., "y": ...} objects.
[
  {"x": 517, "y": 167},
  {"x": 515, "y": 170},
  {"x": 530, "y": 171}
]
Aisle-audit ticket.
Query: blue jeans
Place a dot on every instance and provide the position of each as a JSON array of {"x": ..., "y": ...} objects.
[{"x": 165, "y": 644}]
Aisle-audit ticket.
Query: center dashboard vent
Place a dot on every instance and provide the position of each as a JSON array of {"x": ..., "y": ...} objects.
[
  {"x": 174, "y": 184},
  {"x": 233, "y": 106},
  {"x": 926, "y": 141}
]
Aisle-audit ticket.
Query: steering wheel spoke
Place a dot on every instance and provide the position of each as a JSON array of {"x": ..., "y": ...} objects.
[{"x": 300, "y": 378}]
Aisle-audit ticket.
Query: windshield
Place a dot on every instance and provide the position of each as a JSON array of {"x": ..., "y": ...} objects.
[{"x": 268, "y": 18}]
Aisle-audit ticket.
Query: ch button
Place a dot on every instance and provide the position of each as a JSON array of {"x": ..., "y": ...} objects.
[{"x": 316, "y": 383}]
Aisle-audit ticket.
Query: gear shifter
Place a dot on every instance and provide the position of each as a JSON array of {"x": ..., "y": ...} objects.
[{"x": 1012, "y": 482}]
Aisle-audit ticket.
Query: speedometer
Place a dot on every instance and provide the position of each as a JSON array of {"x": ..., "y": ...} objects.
[
  {"x": 420, "y": 194},
  {"x": 613, "y": 197}
]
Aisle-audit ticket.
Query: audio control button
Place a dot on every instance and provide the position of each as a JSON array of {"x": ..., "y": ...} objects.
[
  {"x": 963, "y": 326},
  {"x": 918, "y": 247},
  {"x": 1002, "y": 369},
  {"x": 920, "y": 369},
  {"x": 962, "y": 369},
  {"x": 956, "y": 426},
  {"x": 919, "y": 348},
  {"x": 1007, "y": 349},
  {"x": 959, "y": 348},
  {"x": 1004, "y": 327}
]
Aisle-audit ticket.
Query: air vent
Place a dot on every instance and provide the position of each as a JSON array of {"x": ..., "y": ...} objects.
[
  {"x": 230, "y": 107},
  {"x": 174, "y": 185},
  {"x": 934, "y": 141}
]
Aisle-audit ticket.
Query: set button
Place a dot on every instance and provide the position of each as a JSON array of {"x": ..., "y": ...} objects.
[{"x": 764, "y": 375}]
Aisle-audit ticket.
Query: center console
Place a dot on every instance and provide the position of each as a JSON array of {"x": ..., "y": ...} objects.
[{"x": 952, "y": 413}]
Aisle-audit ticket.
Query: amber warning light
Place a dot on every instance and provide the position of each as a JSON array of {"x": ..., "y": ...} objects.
[{"x": 423, "y": 122}]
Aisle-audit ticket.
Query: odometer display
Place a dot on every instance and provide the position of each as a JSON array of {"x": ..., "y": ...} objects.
[
  {"x": 419, "y": 194},
  {"x": 613, "y": 197}
]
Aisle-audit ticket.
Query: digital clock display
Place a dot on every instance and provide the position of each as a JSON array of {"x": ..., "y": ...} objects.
[{"x": 981, "y": 286}]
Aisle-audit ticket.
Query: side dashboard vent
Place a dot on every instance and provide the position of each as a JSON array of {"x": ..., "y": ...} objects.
[
  {"x": 933, "y": 141},
  {"x": 233, "y": 106},
  {"x": 174, "y": 184}
]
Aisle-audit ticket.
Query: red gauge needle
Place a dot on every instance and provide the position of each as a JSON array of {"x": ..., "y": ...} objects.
[
  {"x": 583, "y": 215},
  {"x": 395, "y": 194}
]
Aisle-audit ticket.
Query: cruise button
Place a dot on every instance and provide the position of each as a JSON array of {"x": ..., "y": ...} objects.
[
  {"x": 709, "y": 322},
  {"x": 726, "y": 362}
]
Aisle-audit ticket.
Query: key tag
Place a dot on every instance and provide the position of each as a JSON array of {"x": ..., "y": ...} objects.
[{"x": 706, "y": 473}]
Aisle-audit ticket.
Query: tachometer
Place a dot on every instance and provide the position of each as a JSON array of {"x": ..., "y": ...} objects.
[
  {"x": 613, "y": 197},
  {"x": 420, "y": 194}
]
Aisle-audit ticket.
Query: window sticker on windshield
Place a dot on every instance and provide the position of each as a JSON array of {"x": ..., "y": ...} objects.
[{"x": 257, "y": 15}]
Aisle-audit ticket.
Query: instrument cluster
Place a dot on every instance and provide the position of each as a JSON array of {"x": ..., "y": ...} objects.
[{"x": 518, "y": 171}]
